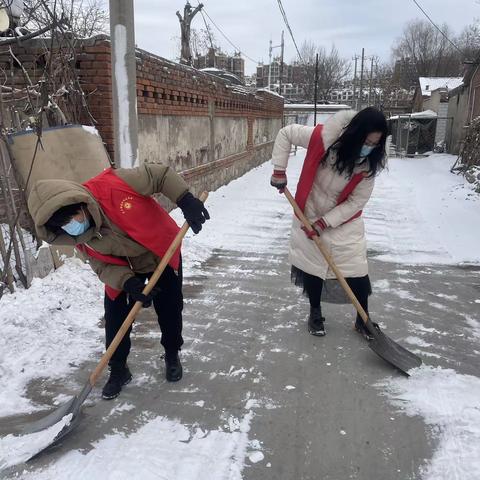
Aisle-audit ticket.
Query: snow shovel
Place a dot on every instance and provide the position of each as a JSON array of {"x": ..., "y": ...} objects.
[
  {"x": 381, "y": 344},
  {"x": 67, "y": 416}
]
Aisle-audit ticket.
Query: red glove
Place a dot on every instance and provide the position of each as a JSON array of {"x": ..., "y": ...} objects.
[
  {"x": 279, "y": 180},
  {"x": 317, "y": 228}
]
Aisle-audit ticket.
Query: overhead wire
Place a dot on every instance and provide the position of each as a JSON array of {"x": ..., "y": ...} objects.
[
  {"x": 226, "y": 38},
  {"x": 438, "y": 28},
  {"x": 285, "y": 19}
]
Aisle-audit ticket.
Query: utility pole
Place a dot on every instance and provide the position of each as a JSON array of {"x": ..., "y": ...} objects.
[
  {"x": 124, "y": 82},
  {"x": 270, "y": 65},
  {"x": 282, "y": 45},
  {"x": 355, "y": 58},
  {"x": 315, "y": 94},
  {"x": 361, "y": 80},
  {"x": 371, "y": 81},
  {"x": 270, "y": 60}
]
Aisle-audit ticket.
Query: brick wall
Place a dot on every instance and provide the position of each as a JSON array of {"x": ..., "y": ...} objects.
[{"x": 208, "y": 130}]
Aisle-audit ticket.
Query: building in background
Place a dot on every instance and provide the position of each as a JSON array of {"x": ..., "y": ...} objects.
[{"x": 217, "y": 59}]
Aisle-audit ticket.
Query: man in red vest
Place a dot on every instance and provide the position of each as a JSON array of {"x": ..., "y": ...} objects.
[{"x": 123, "y": 232}]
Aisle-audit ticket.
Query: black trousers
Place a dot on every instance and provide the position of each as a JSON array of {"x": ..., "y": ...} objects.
[
  {"x": 360, "y": 286},
  {"x": 168, "y": 306}
]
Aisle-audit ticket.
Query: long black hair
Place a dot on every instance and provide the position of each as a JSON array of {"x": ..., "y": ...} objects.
[{"x": 348, "y": 145}]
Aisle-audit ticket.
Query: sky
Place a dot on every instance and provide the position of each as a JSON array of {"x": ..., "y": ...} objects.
[{"x": 250, "y": 24}]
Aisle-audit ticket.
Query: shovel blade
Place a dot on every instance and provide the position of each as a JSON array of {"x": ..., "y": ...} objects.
[
  {"x": 70, "y": 409},
  {"x": 394, "y": 353}
]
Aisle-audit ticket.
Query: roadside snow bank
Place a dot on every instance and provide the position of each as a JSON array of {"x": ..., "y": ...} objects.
[
  {"x": 47, "y": 331},
  {"x": 449, "y": 403},
  {"x": 420, "y": 213}
]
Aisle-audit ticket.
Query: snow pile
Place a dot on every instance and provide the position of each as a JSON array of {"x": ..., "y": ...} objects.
[
  {"x": 420, "y": 213},
  {"x": 19, "y": 449},
  {"x": 47, "y": 331},
  {"x": 160, "y": 450},
  {"x": 450, "y": 405}
]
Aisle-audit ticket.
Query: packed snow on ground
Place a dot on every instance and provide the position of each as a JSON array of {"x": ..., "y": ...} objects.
[
  {"x": 449, "y": 403},
  {"x": 55, "y": 326},
  {"x": 421, "y": 213},
  {"x": 162, "y": 449},
  {"x": 47, "y": 331}
]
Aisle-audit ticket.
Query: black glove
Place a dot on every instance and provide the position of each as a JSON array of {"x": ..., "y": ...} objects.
[
  {"x": 134, "y": 287},
  {"x": 194, "y": 211}
]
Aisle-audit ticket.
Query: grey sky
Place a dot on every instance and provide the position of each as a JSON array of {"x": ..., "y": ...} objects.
[{"x": 350, "y": 24}]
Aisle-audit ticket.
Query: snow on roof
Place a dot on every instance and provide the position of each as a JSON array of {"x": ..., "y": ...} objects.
[
  {"x": 425, "y": 114},
  {"x": 429, "y": 84}
]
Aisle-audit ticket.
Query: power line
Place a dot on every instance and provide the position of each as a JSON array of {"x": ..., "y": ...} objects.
[
  {"x": 284, "y": 15},
  {"x": 227, "y": 39},
  {"x": 434, "y": 24}
]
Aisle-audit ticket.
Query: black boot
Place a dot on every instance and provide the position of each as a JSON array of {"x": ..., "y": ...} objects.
[
  {"x": 363, "y": 330},
  {"x": 173, "y": 367},
  {"x": 119, "y": 376},
  {"x": 316, "y": 322}
]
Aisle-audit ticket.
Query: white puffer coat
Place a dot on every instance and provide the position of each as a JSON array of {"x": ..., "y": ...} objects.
[{"x": 345, "y": 242}]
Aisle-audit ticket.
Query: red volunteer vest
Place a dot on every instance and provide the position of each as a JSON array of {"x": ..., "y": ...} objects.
[
  {"x": 313, "y": 158},
  {"x": 140, "y": 216}
]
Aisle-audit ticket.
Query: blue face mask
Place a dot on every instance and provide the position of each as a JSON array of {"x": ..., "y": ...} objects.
[
  {"x": 366, "y": 150},
  {"x": 76, "y": 228}
]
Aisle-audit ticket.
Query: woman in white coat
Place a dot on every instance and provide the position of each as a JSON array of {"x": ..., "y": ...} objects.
[{"x": 343, "y": 157}]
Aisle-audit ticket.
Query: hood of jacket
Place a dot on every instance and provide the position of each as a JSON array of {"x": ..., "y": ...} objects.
[
  {"x": 47, "y": 196},
  {"x": 334, "y": 126}
]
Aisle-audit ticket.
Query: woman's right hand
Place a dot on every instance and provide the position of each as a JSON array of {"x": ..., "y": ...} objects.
[{"x": 279, "y": 180}]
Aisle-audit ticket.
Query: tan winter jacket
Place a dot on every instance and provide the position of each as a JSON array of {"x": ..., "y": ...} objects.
[
  {"x": 345, "y": 242},
  {"x": 47, "y": 196}
]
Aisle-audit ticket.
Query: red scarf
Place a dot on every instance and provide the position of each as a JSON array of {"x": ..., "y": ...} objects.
[
  {"x": 315, "y": 154},
  {"x": 140, "y": 216}
]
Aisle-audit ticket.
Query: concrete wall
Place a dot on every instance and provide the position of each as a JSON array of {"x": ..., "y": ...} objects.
[
  {"x": 181, "y": 142},
  {"x": 265, "y": 130},
  {"x": 457, "y": 111}
]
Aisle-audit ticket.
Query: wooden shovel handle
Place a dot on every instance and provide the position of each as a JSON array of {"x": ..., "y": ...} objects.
[
  {"x": 138, "y": 305},
  {"x": 327, "y": 257}
]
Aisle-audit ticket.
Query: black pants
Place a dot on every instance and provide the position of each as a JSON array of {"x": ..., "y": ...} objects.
[
  {"x": 168, "y": 306},
  {"x": 360, "y": 287}
]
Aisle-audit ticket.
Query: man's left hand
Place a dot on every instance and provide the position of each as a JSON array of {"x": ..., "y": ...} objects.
[{"x": 194, "y": 211}]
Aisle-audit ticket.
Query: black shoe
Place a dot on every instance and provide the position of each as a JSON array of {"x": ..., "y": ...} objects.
[
  {"x": 316, "y": 323},
  {"x": 173, "y": 367},
  {"x": 119, "y": 376},
  {"x": 363, "y": 330}
]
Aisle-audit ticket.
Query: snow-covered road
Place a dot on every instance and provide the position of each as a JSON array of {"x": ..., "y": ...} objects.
[{"x": 420, "y": 215}]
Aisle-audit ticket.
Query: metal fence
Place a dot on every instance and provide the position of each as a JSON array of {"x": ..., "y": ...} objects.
[{"x": 413, "y": 136}]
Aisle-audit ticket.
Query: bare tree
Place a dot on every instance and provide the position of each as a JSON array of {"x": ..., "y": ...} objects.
[
  {"x": 85, "y": 18},
  {"x": 185, "y": 23},
  {"x": 202, "y": 41},
  {"x": 469, "y": 40},
  {"x": 429, "y": 50},
  {"x": 332, "y": 69}
]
